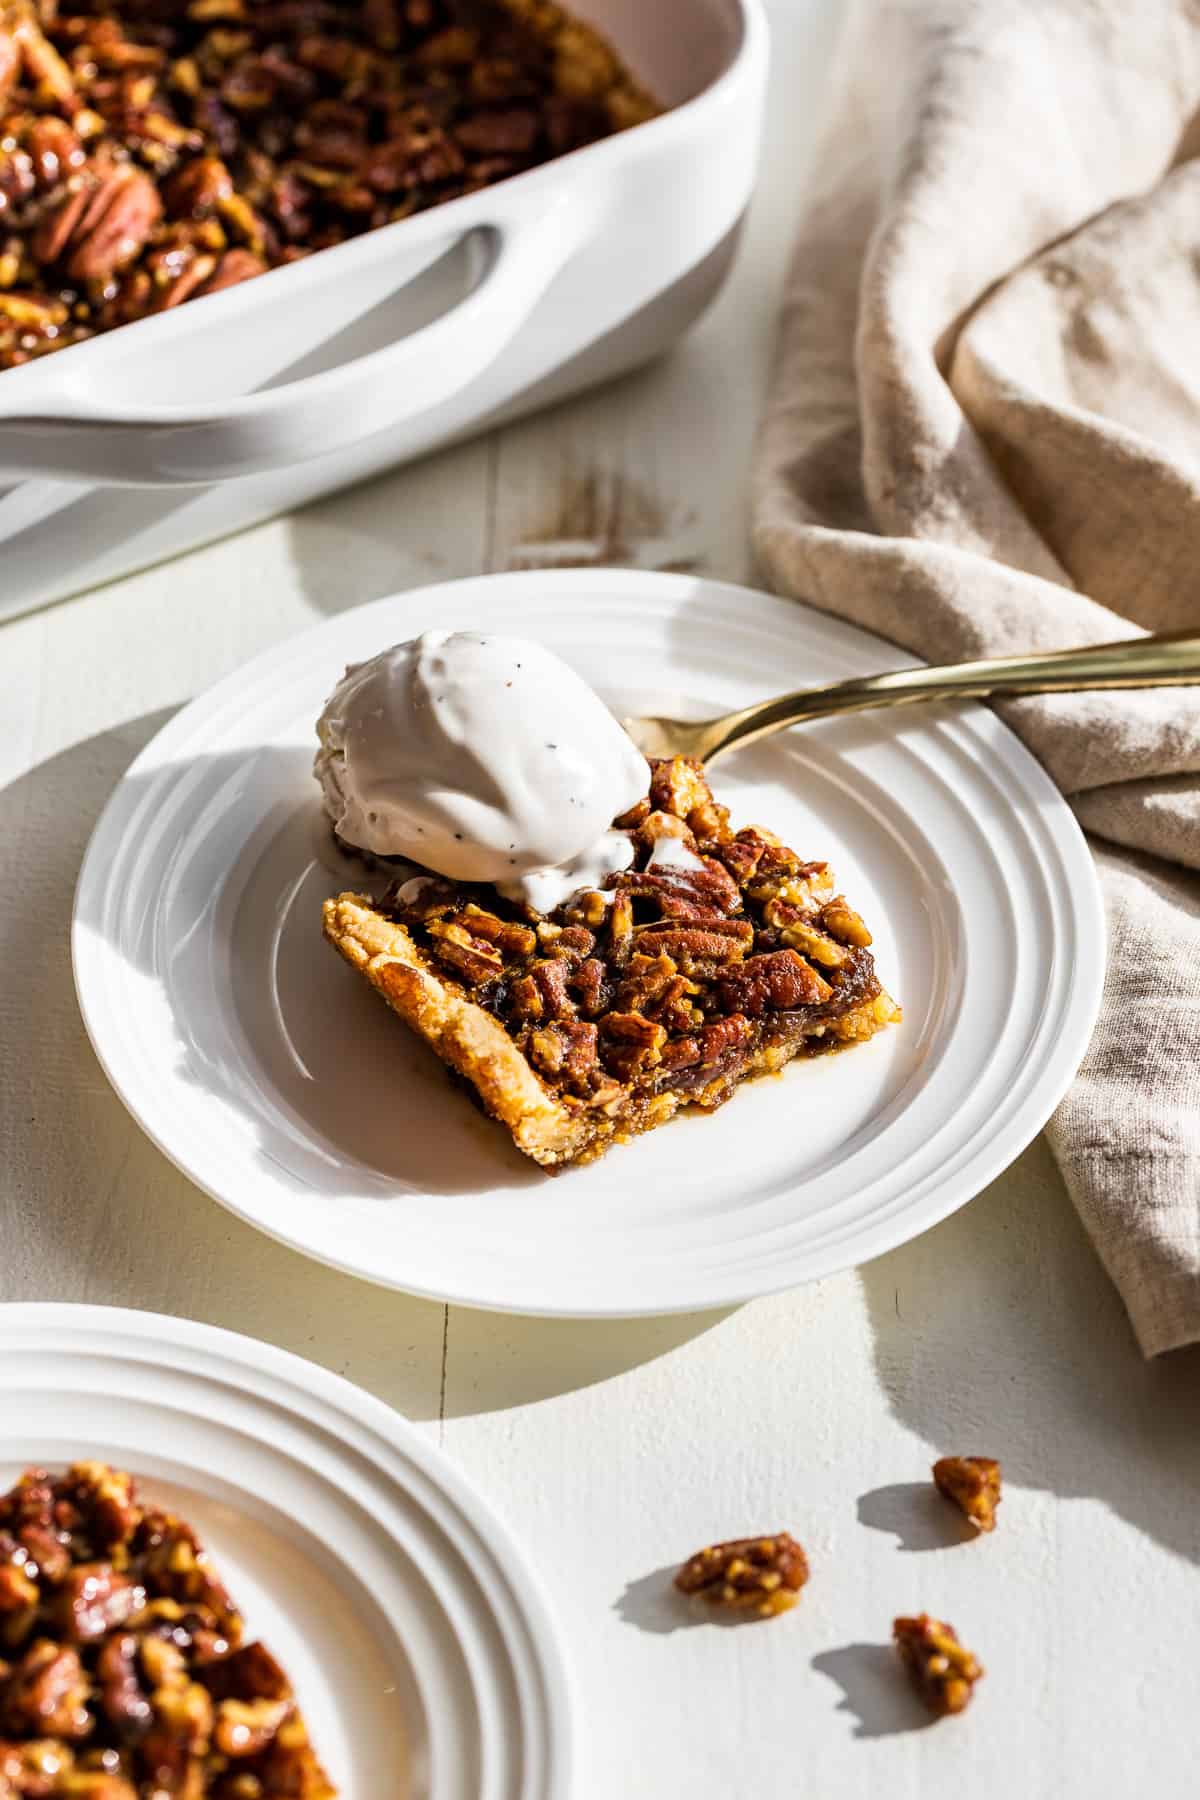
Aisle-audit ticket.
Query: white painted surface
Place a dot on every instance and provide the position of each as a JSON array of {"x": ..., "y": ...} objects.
[{"x": 615, "y": 1449}]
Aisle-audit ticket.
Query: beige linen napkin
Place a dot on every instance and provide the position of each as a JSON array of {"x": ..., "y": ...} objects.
[{"x": 984, "y": 436}]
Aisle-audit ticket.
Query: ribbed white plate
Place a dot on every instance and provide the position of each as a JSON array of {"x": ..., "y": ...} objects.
[
  {"x": 274, "y": 1077},
  {"x": 404, "y": 1614}
]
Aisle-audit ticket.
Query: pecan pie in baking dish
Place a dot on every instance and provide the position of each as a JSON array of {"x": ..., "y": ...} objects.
[
  {"x": 153, "y": 151},
  {"x": 715, "y": 955},
  {"x": 124, "y": 1670}
]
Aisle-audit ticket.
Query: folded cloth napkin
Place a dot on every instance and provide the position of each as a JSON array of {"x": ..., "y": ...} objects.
[{"x": 984, "y": 437}]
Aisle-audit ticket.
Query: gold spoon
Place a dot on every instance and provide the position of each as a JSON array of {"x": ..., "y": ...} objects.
[{"x": 1171, "y": 660}]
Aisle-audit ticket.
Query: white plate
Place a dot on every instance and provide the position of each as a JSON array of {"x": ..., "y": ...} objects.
[
  {"x": 276, "y": 1079},
  {"x": 411, "y": 1628}
]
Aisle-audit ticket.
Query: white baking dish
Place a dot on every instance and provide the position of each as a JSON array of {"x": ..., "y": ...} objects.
[{"x": 317, "y": 375}]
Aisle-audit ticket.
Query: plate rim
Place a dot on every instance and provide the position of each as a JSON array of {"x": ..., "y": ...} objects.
[
  {"x": 556, "y": 1720},
  {"x": 1082, "y": 889}
]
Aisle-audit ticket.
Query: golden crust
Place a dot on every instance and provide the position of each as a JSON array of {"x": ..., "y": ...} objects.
[{"x": 466, "y": 1037}]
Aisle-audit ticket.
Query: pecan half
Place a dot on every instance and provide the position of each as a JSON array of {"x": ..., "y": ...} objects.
[
  {"x": 198, "y": 188},
  {"x": 742, "y": 852},
  {"x": 173, "y": 1565},
  {"x": 19, "y": 1596},
  {"x": 659, "y": 825},
  {"x": 799, "y": 931},
  {"x": 34, "y": 1768},
  {"x": 10, "y": 62},
  {"x": 776, "y": 981},
  {"x": 517, "y": 940},
  {"x": 99, "y": 1784},
  {"x": 512, "y": 132},
  {"x": 247, "y": 1727},
  {"x": 55, "y": 150},
  {"x": 232, "y": 269},
  {"x": 565, "y": 1047},
  {"x": 17, "y": 178},
  {"x": 43, "y": 64},
  {"x": 249, "y": 1673},
  {"x": 696, "y": 948},
  {"x": 542, "y": 993},
  {"x": 842, "y": 922},
  {"x": 942, "y": 1671},
  {"x": 677, "y": 785},
  {"x": 103, "y": 225},
  {"x": 120, "y": 1696},
  {"x": 94, "y": 1599},
  {"x": 471, "y": 957},
  {"x": 29, "y": 313},
  {"x": 178, "y": 1739},
  {"x": 589, "y": 984},
  {"x": 47, "y": 1556},
  {"x": 973, "y": 1484},
  {"x": 646, "y": 981},
  {"x": 631, "y": 1043},
  {"x": 762, "y": 1574},
  {"x": 712, "y": 886},
  {"x": 46, "y": 1694},
  {"x": 105, "y": 1499},
  {"x": 723, "y": 1036},
  {"x": 620, "y": 929}
]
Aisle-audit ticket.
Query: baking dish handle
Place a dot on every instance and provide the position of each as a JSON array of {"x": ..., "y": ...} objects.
[{"x": 74, "y": 437}]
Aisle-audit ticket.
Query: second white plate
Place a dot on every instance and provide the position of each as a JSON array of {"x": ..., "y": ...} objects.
[
  {"x": 421, "y": 1651},
  {"x": 279, "y": 1082}
]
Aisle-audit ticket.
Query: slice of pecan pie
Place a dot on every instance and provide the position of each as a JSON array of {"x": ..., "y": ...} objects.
[
  {"x": 716, "y": 956},
  {"x": 124, "y": 1670}
]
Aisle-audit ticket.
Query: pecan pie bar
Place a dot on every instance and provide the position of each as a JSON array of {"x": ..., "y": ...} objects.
[
  {"x": 718, "y": 955},
  {"x": 124, "y": 1670}
]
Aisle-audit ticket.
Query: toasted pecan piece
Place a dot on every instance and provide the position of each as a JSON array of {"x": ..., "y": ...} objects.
[
  {"x": 760, "y": 1574},
  {"x": 777, "y": 981},
  {"x": 46, "y": 1694},
  {"x": 973, "y": 1484},
  {"x": 943, "y": 1672}
]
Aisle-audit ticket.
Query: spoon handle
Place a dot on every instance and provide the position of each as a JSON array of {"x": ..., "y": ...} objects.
[{"x": 1170, "y": 660}]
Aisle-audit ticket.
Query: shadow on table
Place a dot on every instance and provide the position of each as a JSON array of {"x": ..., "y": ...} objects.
[
  {"x": 1008, "y": 1300},
  {"x": 152, "y": 1240},
  {"x": 867, "y": 1675},
  {"x": 654, "y": 1604},
  {"x": 917, "y": 1514},
  {"x": 365, "y": 541},
  {"x": 499, "y": 1360}
]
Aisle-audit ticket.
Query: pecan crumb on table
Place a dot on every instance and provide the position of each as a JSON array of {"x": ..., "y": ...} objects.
[
  {"x": 943, "y": 1672},
  {"x": 973, "y": 1484},
  {"x": 156, "y": 150},
  {"x": 763, "y": 1574}
]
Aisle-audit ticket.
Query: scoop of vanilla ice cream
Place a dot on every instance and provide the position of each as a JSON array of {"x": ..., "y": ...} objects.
[{"x": 482, "y": 757}]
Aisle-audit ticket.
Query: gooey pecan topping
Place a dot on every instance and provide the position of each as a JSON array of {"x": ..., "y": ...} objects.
[
  {"x": 123, "y": 1674},
  {"x": 675, "y": 974},
  {"x": 155, "y": 150}
]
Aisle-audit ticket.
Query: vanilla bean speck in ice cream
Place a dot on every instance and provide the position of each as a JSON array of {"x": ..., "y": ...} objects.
[{"x": 481, "y": 757}]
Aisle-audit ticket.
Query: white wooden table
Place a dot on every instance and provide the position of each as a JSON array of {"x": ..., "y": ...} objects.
[{"x": 616, "y": 1449}]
